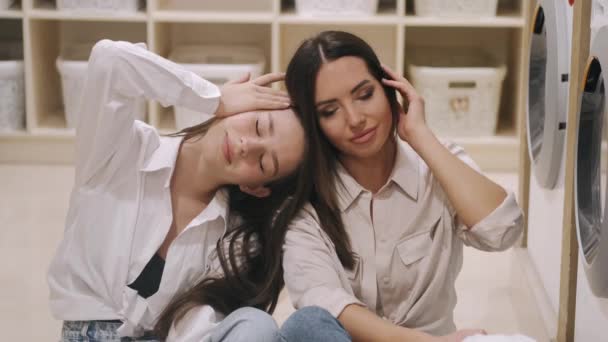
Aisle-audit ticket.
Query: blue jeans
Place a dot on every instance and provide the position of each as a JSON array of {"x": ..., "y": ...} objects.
[
  {"x": 312, "y": 324},
  {"x": 243, "y": 325}
]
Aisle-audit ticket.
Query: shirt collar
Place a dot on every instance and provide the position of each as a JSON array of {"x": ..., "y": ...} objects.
[
  {"x": 164, "y": 157},
  {"x": 405, "y": 175}
]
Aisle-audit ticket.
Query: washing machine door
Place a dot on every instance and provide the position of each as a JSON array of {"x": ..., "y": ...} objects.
[
  {"x": 590, "y": 168},
  {"x": 548, "y": 89}
]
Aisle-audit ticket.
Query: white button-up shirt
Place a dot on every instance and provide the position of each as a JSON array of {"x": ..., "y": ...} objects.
[
  {"x": 120, "y": 207},
  {"x": 407, "y": 257}
]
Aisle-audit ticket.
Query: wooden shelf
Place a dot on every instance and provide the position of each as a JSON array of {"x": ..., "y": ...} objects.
[
  {"x": 11, "y": 14},
  {"x": 498, "y": 21},
  {"x": 212, "y": 17},
  {"x": 58, "y": 15},
  {"x": 272, "y": 25}
]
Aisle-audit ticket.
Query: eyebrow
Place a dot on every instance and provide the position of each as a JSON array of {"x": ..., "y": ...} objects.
[
  {"x": 275, "y": 159},
  {"x": 357, "y": 87}
]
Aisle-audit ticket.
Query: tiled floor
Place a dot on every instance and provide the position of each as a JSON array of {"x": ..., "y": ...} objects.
[{"x": 33, "y": 201}]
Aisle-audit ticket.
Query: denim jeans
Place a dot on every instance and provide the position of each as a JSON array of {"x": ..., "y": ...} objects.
[
  {"x": 246, "y": 324},
  {"x": 312, "y": 324}
]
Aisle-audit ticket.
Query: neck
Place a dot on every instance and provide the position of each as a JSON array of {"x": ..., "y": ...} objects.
[
  {"x": 372, "y": 172},
  {"x": 193, "y": 176}
]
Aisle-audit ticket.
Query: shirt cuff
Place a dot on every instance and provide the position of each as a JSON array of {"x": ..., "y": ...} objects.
[
  {"x": 334, "y": 300},
  {"x": 499, "y": 230}
]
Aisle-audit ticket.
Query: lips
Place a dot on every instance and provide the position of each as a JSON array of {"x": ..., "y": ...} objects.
[
  {"x": 365, "y": 136},
  {"x": 226, "y": 149}
]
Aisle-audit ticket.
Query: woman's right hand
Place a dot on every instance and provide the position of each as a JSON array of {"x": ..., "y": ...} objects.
[
  {"x": 244, "y": 95},
  {"x": 460, "y": 335}
]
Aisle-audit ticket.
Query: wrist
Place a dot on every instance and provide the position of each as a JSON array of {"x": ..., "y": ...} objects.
[
  {"x": 407, "y": 334},
  {"x": 419, "y": 136}
]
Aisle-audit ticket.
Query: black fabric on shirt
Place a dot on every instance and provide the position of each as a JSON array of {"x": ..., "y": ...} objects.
[{"x": 148, "y": 281}]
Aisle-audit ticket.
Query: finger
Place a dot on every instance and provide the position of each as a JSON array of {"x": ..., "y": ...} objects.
[
  {"x": 269, "y": 78},
  {"x": 400, "y": 86},
  {"x": 390, "y": 72},
  {"x": 397, "y": 77},
  {"x": 272, "y": 104},
  {"x": 273, "y": 92},
  {"x": 244, "y": 78}
]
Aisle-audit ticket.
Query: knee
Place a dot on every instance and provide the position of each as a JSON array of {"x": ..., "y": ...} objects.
[
  {"x": 314, "y": 323},
  {"x": 255, "y": 322}
]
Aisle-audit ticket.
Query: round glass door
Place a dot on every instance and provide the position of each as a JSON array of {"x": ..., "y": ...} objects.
[
  {"x": 590, "y": 169},
  {"x": 548, "y": 89}
]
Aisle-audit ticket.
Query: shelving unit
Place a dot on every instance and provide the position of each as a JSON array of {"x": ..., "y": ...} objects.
[{"x": 272, "y": 25}]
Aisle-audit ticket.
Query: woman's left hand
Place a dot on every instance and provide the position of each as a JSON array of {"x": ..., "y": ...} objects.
[{"x": 411, "y": 118}]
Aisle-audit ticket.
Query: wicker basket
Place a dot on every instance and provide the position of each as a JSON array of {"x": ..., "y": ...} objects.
[
  {"x": 6, "y": 4},
  {"x": 114, "y": 6},
  {"x": 336, "y": 7},
  {"x": 456, "y": 8},
  {"x": 461, "y": 89},
  {"x": 72, "y": 66},
  {"x": 12, "y": 88}
]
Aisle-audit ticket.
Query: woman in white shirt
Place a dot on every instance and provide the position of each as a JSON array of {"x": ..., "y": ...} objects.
[
  {"x": 156, "y": 217},
  {"x": 380, "y": 246}
]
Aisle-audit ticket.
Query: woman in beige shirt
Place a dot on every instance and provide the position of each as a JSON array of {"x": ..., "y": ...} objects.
[{"x": 380, "y": 246}]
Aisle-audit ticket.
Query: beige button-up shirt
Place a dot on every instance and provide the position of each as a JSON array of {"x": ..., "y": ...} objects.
[{"x": 407, "y": 255}]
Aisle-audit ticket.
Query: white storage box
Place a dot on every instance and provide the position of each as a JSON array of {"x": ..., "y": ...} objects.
[
  {"x": 217, "y": 64},
  {"x": 12, "y": 87},
  {"x": 336, "y": 7},
  {"x": 219, "y": 5},
  {"x": 114, "y": 6},
  {"x": 6, "y": 4},
  {"x": 456, "y": 8},
  {"x": 72, "y": 66},
  {"x": 461, "y": 89}
]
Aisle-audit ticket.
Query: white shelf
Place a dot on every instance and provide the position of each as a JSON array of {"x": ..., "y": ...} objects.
[{"x": 271, "y": 24}]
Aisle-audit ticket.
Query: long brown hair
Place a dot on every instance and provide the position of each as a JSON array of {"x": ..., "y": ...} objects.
[
  {"x": 250, "y": 254},
  {"x": 300, "y": 79}
]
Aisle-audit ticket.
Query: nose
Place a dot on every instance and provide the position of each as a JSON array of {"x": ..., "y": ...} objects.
[
  {"x": 251, "y": 146},
  {"x": 353, "y": 117}
]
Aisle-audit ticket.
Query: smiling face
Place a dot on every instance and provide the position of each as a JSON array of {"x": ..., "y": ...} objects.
[
  {"x": 354, "y": 112},
  {"x": 256, "y": 148}
]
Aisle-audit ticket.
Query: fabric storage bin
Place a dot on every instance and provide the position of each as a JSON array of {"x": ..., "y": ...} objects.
[
  {"x": 220, "y": 5},
  {"x": 456, "y": 8},
  {"x": 334, "y": 7},
  {"x": 12, "y": 87},
  {"x": 115, "y": 6},
  {"x": 461, "y": 89},
  {"x": 6, "y": 4},
  {"x": 72, "y": 66},
  {"x": 217, "y": 64}
]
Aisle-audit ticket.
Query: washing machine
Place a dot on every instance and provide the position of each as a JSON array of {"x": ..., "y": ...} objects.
[
  {"x": 548, "y": 86},
  {"x": 591, "y": 159}
]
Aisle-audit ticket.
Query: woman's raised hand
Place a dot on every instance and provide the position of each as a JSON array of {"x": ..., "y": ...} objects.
[
  {"x": 411, "y": 118},
  {"x": 244, "y": 95}
]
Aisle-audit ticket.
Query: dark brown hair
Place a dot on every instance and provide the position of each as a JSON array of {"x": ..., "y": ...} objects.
[
  {"x": 250, "y": 254},
  {"x": 300, "y": 79}
]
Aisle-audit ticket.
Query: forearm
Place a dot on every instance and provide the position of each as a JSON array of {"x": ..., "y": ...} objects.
[
  {"x": 363, "y": 325},
  {"x": 137, "y": 72},
  {"x": 472, "y": 194}
]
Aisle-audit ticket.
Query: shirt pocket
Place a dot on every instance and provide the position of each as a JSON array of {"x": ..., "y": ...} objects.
[{"x": 415, "y": 248}]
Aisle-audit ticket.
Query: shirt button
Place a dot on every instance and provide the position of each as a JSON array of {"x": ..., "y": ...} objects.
[{"x": 386, "y": 280}]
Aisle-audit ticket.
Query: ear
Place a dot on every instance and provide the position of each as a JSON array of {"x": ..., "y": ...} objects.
[{"x": 260, "y": 191}]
